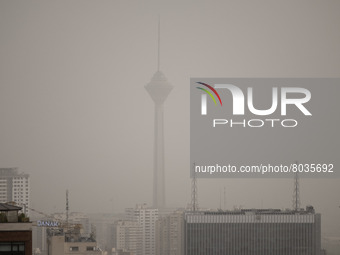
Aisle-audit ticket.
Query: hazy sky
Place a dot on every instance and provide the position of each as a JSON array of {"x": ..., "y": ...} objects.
[{"x": 74, "y": 112}]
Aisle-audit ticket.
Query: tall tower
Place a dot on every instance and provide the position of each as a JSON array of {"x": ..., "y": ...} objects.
[{"x": 159, "y": 89}]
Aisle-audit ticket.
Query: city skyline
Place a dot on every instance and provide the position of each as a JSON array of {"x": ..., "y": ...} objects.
[{"x": 75, "y": 114}]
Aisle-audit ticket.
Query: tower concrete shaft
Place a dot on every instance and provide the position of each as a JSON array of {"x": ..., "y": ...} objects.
[{"x": 158, "y": 89}]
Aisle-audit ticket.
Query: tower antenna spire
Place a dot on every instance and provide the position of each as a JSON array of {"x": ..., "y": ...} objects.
[{"x": 159, "y": 43}]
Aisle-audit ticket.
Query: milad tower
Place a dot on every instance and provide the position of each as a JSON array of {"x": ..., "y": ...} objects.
[{"x": 159, "y": 89}]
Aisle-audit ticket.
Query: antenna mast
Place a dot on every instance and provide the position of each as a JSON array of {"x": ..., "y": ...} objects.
[
  {"x": 194, "y": 203},
  {"x": 224, "y": 200},
  {"x": 220, "y": 200},
  {"x": 296, "y": 196}
]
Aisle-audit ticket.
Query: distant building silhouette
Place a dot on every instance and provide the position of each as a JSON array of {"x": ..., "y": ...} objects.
[
  {"x": 146, "y": 218},
  {"x": 170, "y": 234},
  {"x": 127, "y": 236},
  {"x": 158, "y": 89}
]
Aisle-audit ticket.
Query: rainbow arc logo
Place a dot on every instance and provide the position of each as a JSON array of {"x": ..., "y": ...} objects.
[{"x": 204, "y": 96}]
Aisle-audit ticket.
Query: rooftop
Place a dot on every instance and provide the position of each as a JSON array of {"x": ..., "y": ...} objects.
[
  {"x": 4, "y": 207},
  {"x": 12, "y": 172},
  {"x": 308, "y": 210}
]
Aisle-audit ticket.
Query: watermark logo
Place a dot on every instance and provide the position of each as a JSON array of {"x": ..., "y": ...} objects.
[
  {"x": 256, "y": 127},
  {"x": 243, "y": 104},
  {"x": 239, "y": 99},
  {"x": 204, "y": 97}
]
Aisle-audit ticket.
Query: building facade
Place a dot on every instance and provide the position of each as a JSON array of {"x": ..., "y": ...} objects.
[
  {"x": 253, "y": 232},
  {"x": 15, "y": 187},
  {"x": 15, "y": 235},
  {"x": 128, "y": 237},
  {"x": 170, "y": 234},
  {"x": 59, "y": 246},
  {"x": 39, "y": 239},
  {"x": 69, "y": 241},
  {"x": 146, "y": 218}
]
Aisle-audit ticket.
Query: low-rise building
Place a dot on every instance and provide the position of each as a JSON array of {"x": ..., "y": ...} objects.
[
  {"x": 69, "y": 242},
  {"x": 15, "y": 231}
]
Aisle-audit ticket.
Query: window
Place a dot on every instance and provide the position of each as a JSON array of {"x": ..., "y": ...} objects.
[
  {"x": 17, "y": 248},
  {"x": 74, "y": 248},
  {"x": 90, "y": 248},
  {"x": 5, "y": 247}
]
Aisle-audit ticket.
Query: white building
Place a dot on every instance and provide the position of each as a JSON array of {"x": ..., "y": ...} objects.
[
  {"x": 170, "y": 234},
  {"x": 15, "y": 187},
  {"x": 146, "y": 218},
  {"x": 127, "y": 236}
]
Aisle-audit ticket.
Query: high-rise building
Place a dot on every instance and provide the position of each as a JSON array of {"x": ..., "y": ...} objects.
[
  {"x": 127, "y": 236},
  {"x": 253, "y": 232},
  {"x": 170, "y": 234},
  {"x": 15, "y": 187},
  {"x": 146, "y": 218}
]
